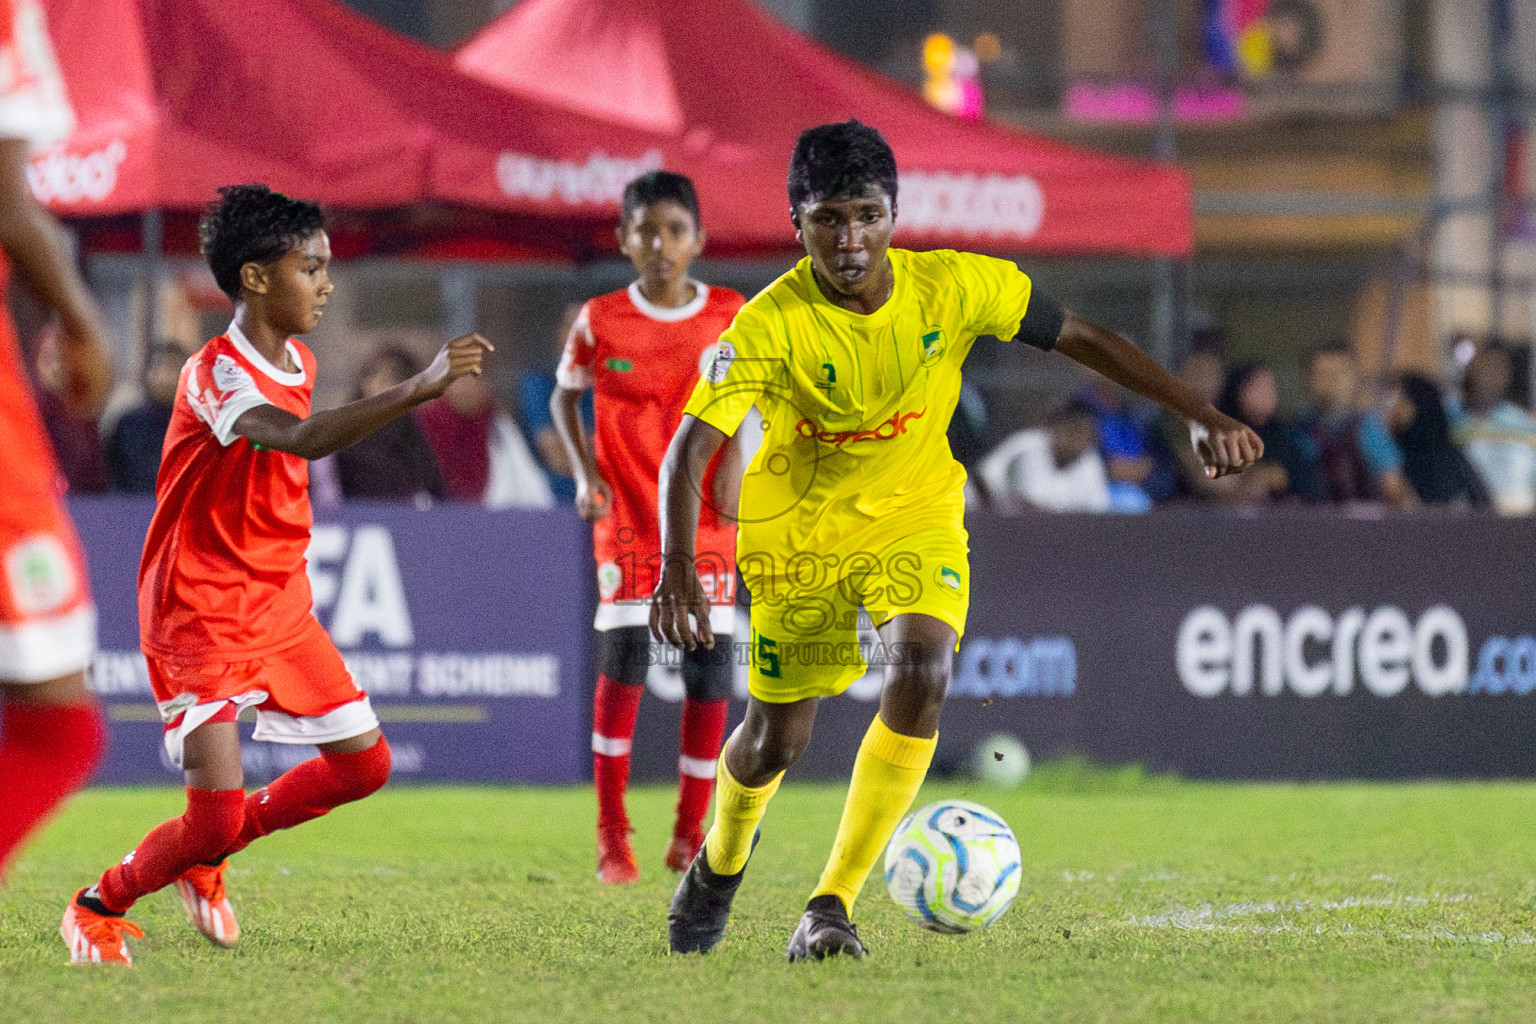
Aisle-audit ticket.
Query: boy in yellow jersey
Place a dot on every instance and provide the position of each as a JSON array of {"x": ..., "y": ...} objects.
[{"x": 854, "y": 358}]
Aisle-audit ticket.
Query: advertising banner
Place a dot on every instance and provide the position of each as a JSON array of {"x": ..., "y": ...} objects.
[
  {"x": 1280, "y": 646},
  {"x": 468, "y": 628},
  {"x": 1286, "y": 646}
]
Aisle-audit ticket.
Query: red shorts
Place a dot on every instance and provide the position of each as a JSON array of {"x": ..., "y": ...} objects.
[
  {"x": 302, "y": 694},
  {"x": 47, "y": 620}
]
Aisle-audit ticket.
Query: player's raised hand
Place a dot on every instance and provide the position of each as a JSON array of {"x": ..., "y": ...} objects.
[
  {"x": 594, "y": 498},
  {"x": 679, "y": 594},
  {"x": 459, "y": 358},
  {"x": 1225, "y": 445}
]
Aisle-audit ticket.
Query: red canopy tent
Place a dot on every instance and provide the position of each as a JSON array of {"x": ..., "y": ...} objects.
[
  {"x": 177, "y": 97},
  {"x": 733, "y": 88}
]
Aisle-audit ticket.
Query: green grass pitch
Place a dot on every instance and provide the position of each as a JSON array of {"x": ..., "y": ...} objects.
[{"x": 1144, "y": 899}]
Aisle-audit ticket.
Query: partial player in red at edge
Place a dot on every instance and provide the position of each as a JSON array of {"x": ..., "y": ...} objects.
[
  {"x": 51, "y": 728},
  {"x": 224, "y": 602},
  {"x": 642, "y": 349}
]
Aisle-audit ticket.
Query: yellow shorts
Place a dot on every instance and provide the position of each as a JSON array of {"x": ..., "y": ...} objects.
[{"x": 805, "y": 640}]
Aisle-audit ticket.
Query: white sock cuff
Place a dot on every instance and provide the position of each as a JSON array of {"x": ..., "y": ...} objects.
[{"x": 610, "y": 746}]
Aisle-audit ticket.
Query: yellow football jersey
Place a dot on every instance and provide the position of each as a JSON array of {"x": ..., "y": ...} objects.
[{"x": 855, "y": 408}]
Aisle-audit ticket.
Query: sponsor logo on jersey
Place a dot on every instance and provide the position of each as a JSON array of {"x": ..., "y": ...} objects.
[
  {"x": 948, "y": 577},
  {"x": 40, "y": 574},
  {"x": 720, "y": 365},
  {"x": 886, "y": 431},
  {"x": 618, "y": 365}
]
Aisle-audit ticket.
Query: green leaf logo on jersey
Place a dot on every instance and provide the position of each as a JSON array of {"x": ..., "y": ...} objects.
[
  {"x": 949, "y": 577},
  {"x": 618, "y": 365},
  {"x": 933, "y": 346}
]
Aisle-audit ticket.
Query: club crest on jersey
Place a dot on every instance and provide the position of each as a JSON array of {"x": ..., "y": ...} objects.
[
  {"x": 618, "y": 365},
  {"x": 828, "y": 378},
  {"x": 933, "y": 346},
  {"x": 40, "y": 574},
  {"x": 609, "y": 576},
  {"x": 720, "y": 358},
  {"x": 948, "y": 577},
  {"x": 229, "y": 375}
]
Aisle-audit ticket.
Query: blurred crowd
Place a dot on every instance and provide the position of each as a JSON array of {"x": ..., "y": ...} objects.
[{"x": 1403, "y": 444}]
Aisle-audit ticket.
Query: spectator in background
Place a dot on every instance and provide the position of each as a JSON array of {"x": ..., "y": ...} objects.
[
  {"x": 1289, "y": 466},
  {"x": 1123, "y": 442},
  {"x": 1055, "y": 467},
  {"x": 533, "y": 394},
  {"x": 394, "y": 463},
  {"x": 1498, "y": 437},
  {"x": 1180, "y": 473},
  {"x": 1357, "y": 459},
  {"x": 483, "y": 455},
  {"x": 1436, "y": 469},
  {"x": 133, "y": 450},
  {"x": 76, "y": 438}
]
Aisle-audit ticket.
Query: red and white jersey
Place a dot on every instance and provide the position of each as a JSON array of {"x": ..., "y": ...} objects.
[
  {"x": 643, "y": 361},
  {"x": 33, "y": 107},
  {"x": 223, "y": 574},
  {"x": 33, "y": 103},
  {"x": 47, "y": 621}
]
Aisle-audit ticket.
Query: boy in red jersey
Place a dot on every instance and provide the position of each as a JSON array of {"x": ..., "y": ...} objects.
[
  {"x": 642, "y": 349},
  {"x": 50, "y": 730},
  {"x": 224, "y": 601}
]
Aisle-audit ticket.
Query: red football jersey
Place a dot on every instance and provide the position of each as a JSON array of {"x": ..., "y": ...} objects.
[
  {"x": 47, "y": 621},
  {"x": 33, "y": 107},
  {"x": 223, "y": 574},
  {"x": 643, "y": 361}
]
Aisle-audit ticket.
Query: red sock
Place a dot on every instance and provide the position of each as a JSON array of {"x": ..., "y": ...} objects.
[
  {"x": 199, "y": 836},
  {"x": 308, "y": 790},
  {"x": 703, "y": 730},
  {"x": 47, "y": 751},
  {"x": 614, "y": 709}
]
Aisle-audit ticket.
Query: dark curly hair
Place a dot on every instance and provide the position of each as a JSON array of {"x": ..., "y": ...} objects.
[
  {"x": 837, "y": 160},
  {"x": 252, "y": 224},
  {"x": 656, "y": 187}
]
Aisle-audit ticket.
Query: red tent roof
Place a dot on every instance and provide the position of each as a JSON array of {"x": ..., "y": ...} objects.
[
  {"x": 733, "y": 88},
  {"x": 177, "y": 97}
]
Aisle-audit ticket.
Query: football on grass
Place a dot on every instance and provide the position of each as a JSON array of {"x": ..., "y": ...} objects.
[{"x": 953, "y": 866}]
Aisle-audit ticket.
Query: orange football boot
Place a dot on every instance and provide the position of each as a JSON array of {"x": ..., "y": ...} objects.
[
  {"x": 95, "y": 938},
  {"x": 616, "y": 863},
  {"x": 202, "y": 893},
  {"x": 683, "y": 848}
]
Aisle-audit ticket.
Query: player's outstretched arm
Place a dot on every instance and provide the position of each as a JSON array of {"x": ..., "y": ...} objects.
[
  {"x": 594, "y": 498},
  {"x": 334, "y": 429},
  {"x": 36, "y": 245},
  {"x": 679, "y": 490},
  {"x": 1227, "y": 445}
]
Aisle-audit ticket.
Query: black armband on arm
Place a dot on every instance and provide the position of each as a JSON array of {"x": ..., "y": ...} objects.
[{"x": 1042, "y": 322}]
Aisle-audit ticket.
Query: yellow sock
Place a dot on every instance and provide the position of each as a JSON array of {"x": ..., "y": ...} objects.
[
  {"x": 886, "y": 776},
  {"x": 738, "y": 812}
]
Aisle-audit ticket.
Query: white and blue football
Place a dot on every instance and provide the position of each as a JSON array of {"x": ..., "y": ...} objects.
[{"x": 953, "y": 866}]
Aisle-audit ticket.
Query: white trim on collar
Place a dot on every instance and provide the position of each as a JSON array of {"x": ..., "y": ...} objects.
[
  {"x": 256, "y": 359},
  {"x": 663, "y": 314}
]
